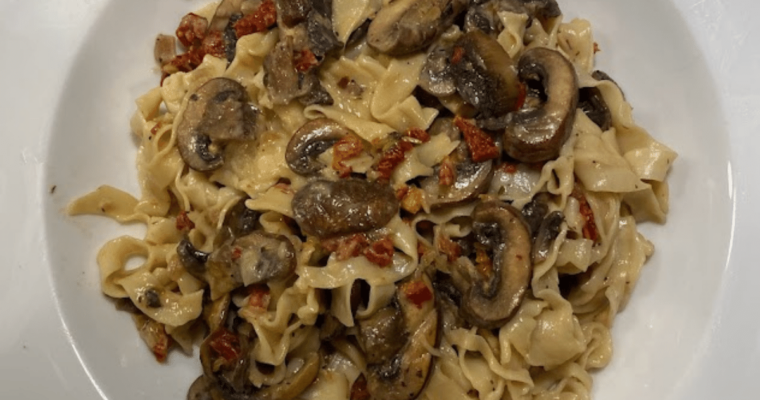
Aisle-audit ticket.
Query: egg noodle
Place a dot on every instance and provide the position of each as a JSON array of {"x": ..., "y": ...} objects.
[{"x": 308, "y": 322}]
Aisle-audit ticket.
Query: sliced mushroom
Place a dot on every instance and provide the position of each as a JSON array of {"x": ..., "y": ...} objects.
[
  {"x": 311, "y": 140},
  {"x": 165, "y": 49},
  {"x": 284, "y": 83},
  {"x": 241, "y": 220},
  {"x": 193, "y": 260},
  {"x": 470, "y": 180},
  {"x": 322, "y": 38},
  {"x": 591, "y": 102},
  {"x": 263, "y": 257},
  {"x": 535, "y": 135},
  {"x": 382, "y": 335},
  {"x": 547, "y": 233},
  {"x": 324, "y": 208},
  {"x": 486, "y": 76},
  {"x": 534, "y": 212},
  {"x": 293, "y": 12},
  {"x": 218, "y": 112},
  {"x": 492, "y": 297},
  {"x": 484, "y": 17},
  {"x": 405, "y": 26},
  {"x": 294, "y": 384},
  {"x": 404, "y": 374},
  {"x": 437, "y": 76}
]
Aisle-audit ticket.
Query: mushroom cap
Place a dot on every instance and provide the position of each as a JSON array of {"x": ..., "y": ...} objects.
[
  {"x": 311, "y": 140},
  {"x": 404, "y": 374},
  {"x": 217, "y": 112},
  {"x": 405, "y": 26},
  {"x": 325, "y": 208},
  {"x": 470, "y": 180},
  {"x": 536, "y": 135},
  {"x": 486, "y": 76},
  {"x": 490, "y": 301}
]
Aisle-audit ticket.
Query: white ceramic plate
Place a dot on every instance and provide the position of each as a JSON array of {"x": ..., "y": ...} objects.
[{"x": 72, "y": 69}]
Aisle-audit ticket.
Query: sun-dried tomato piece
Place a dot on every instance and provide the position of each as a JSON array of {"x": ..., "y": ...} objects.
[
  {"x": 304, "y": 60},
  {"x": 446, "y": 172},
  {"x": 346, "y": 247},
  {"x": 257, "y": 21},
  {"x": 213, "y": 44},
  {"x": 184, "y": 223},
  {"x": 456, "y": 56},
  {"x": 184, "y": 62},
  {"x": 191, "y": 29},
  {"x": 450, "y": 248},
  {"x": 154, "y": 335},
  {"x": 590, "y": 230},
  {"x": 359, "y": 389},
  {"x": 482, "y": 146},
  {"x": 508, "y": 167},
  {"x": 380, "y": 252},
  {"x": 226, "y": 344},
  {"x": 259, "y": 297},
  {"x": 417, "y": 292},
  {"x": 346, "y": 148},
  {"x": 419, "y": 134},
  {"x": 392, "y": 157},
  {"x": 413, "y": 199}
]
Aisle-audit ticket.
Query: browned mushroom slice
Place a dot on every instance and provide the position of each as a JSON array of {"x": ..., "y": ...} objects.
[
  {"x": 485, "y": 75},
  {"x": 437, "y": 76},
  {"x": 382, "y": 335},
  {"x": 470, "y": 180},
  {"x": 535, "y": 135},
  {"x": 403, "y": 374},
  {"x": 240, "y": 220},
  {"x": 406, "y": 26},
  {"x": 218, "y": 112},
  {"x": 319, "y": 27},
  {"x": 311, "y": 140},
  {"x": 193, "y": 260},
  {"x": 284, "y": 83},
  {"x": 263, "y": 257},
  {"x": 324, "y": 208},
  {"x": 591, "y": 102},
  {"x": 547, "y": 233},
  {"x": 494, "y": 295},
  {"x": 225, "y": 360},
  {"x": 534, "y": 212},
  {"x": 165, "y": 49},
  {"x": 292, "y": 12},
  {"x": 485, "y": 16}
]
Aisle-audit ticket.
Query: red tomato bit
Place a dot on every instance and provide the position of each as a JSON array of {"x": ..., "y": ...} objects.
[
  {"x": 419, "y": 134},
  {"x": 450, "y": 248},
  {"x": 380, "y": 252},
  {"x": 359, "y": 389},
  {"x": 225, "y": 344},
  {"x": 590, "y": 230},
  {"x": 259, "y": 297},
  {"x": 184, "y": 222},
  {"x": 417, "y": 292},
  {"x": 457, "y": 55},
  {"x": 446, "y": 172},
  {"x": 257, "y": 21},
  {"x": 346, "y": 148},
  {"x": 213, "y": 44},
  {"x": 347, "y": 246},
  {"x": 482, "y": 146},
  {"x": 304, "y": 60},
  {"x": 392, "y": 158}
]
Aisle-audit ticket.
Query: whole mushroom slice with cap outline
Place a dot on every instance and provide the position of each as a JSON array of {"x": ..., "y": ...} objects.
[
  {"x": 470, "y": 180},
  {"x": 490, "y": 299},
  {"x": 536, "y": 135},
  {"x": 216, "y": 113},
  {"x": 485, "y": 75},
  {"x": 311, "y": 140},
  {"x": 403, "y": 374},
  {"x": 325, "y": 208},
  {"x": 485, "y": 17},
  {"x": 405, "y": 26}
]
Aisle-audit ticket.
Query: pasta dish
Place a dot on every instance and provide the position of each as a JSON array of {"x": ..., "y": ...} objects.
[{"x": 368, "y": 199}]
